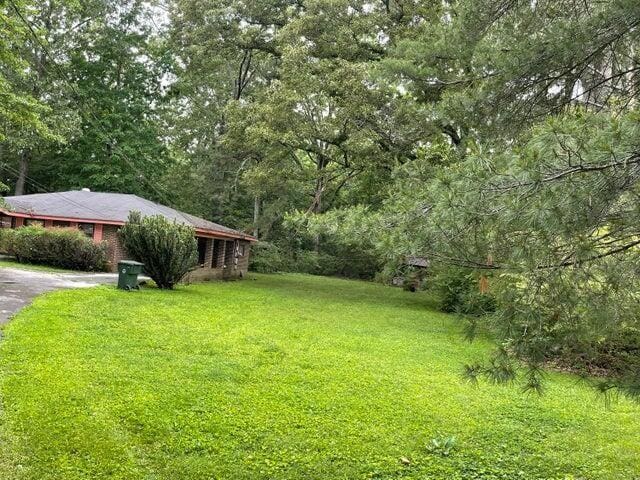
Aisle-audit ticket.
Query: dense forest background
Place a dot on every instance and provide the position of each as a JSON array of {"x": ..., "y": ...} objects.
[{"x": 499, "y": 139}]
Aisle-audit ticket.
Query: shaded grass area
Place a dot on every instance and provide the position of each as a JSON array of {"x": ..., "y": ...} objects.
[
  {"x": 281, "y": 377},
  {"x": 12, "y": 263}
]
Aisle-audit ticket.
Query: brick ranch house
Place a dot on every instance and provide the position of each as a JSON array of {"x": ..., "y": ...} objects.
[{"x": 222, "y": 252}]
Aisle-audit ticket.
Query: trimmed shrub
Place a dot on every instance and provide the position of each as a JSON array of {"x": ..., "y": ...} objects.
[
  {"x": 56, "y": 247},
  {"x": 168, "y": 249}
]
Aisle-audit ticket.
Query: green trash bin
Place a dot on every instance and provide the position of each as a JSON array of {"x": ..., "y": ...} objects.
[{"x": 128, "y": 272}]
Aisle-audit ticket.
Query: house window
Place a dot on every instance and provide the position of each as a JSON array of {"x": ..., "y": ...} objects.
[
  {"x": 241, "y": 250},
  {"x": 60, "y": 224},
  {"x": 202, "y": 250},
  {"x": 31, "y": 222},
  {"x": 218, "y": 247},
  {"x": 6, "y": 222},
  {"x": 87, "y": 229}
]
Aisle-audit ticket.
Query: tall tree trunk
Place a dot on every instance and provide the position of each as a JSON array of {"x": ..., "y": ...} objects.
[
  {"x": 256, "y": 215},
  {"x": 316, "y": 206},
  {"x": 23, "y": 171}
]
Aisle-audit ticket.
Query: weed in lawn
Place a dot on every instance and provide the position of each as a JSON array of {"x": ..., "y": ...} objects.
[{"x": 442, "y": 446}]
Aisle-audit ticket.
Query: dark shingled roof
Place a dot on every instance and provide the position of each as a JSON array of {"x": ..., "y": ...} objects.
[{"x": 109, "y": 207}]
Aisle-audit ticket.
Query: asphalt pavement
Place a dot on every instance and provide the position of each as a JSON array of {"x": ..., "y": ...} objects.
[{"x": 18, "y": 287}]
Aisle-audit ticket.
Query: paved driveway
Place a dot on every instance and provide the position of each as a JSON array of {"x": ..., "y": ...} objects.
[{"x": 18, "y": 287}]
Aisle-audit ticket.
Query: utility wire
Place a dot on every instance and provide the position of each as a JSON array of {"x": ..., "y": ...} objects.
[{"x": 79, "y": 97}]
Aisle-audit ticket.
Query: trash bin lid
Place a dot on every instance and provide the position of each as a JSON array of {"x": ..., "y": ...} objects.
[{"x": 129, "y": 262}]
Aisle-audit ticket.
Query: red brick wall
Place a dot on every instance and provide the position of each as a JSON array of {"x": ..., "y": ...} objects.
[{"x": 115, "y": 250}]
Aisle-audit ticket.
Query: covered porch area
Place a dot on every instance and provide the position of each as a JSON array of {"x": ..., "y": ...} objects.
[{"x": 220, "y": 258}]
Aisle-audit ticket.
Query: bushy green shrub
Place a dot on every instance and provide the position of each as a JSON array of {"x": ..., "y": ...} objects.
[
  {"x": 266, "y": 258},
  {"x": 167, "y": 249},
  {"x": 309, "y": 261},
  {"x": 6, "y": 234},
  {"x": 458, "y": 291},
  {"x": 56, "y": 247}
]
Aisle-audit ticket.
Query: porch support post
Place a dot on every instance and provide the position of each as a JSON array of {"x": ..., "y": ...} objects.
[
  {"x": 208, "y": 253},
  {"x": 97, "y": 232}
]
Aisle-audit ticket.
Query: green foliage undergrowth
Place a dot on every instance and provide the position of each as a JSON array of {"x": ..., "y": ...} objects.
[{"x": 458, "y": 291}]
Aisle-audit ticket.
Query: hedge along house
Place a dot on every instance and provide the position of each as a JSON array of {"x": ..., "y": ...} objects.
[{"x": 222, "y": 252}]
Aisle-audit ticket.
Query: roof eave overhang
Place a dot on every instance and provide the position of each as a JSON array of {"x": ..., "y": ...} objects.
[
  {"x": 216, "y": 234},
  {"x": 200, "y": 231},
  {"x": 62, "y": 219}
]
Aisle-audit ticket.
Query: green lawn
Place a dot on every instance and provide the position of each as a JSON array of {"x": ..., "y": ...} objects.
[{"x": 281, "y": 377}]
